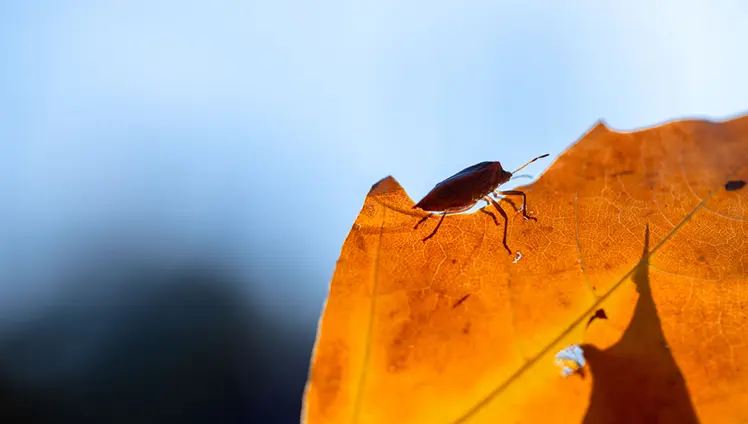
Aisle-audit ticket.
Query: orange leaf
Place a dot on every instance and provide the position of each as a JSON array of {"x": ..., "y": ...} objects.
[{"x": 642, "y": 230}]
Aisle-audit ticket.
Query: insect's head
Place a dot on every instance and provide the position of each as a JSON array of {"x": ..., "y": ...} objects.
[{"x": 502, "y": 175}]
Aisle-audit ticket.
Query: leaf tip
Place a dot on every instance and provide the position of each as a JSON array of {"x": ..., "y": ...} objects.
[
  {"x": 600, "y": 127},
  {"x": 386, "y": 185}
]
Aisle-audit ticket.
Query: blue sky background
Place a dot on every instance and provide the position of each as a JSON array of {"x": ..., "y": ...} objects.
[{"x": 250, "y": 132}]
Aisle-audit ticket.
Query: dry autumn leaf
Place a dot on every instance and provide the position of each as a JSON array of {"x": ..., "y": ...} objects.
[{"x": 639, "y": 255}]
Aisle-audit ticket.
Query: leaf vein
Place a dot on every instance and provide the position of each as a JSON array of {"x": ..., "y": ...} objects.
[
  {"x": 532, "y": 361},
  {"x": 370, "y": 329}
]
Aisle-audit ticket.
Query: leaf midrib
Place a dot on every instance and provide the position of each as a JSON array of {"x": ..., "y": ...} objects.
[{"x": 535, "y": 358}]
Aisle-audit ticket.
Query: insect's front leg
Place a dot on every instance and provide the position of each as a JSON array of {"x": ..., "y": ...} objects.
[
  {"x": 524, "y": 201},
  {"x": 501, "y": 198}
]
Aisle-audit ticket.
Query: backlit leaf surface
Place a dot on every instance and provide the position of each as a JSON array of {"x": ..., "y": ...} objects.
[{"x": 643, "y": 225}]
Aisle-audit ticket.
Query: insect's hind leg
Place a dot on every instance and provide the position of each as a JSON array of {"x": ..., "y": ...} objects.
[
  {"x": 524, "y": 201},
  {"x": 444, "y": 215},
  {"x": 506, "y": 220},
  {"x": 422, "y": 221},
  {"x": 450, "y": 211},
  {"x": 489, "y": 213}
]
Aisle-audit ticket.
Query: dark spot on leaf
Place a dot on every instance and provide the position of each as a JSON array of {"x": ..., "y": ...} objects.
[
  {"x": 599, "y": 314},
  {"x": 466, "y": 328},
  {"x": 734, "y": 185},
  {"x": 459, "y": 302},
  {"x": 454, "y": 261},
  {"x": 398, "y": 352},
  {"x": 329, "y": 373},
  {"x": 357, "y": 235},
  {"x": 409, "y": 335}
]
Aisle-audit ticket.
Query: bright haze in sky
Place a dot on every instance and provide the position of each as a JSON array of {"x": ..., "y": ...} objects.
[{"x": 251, "y": 131}]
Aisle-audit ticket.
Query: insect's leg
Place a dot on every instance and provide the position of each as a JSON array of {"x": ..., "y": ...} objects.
[
  {"x": 421, "y": 221},
  {"x": 506, "y": 219},
  {"x": 444, "y": 214},
  {"x": 524, "y": 201},
  {"x": 506, "y": 199},
  {"x": 489, "y": 213}
]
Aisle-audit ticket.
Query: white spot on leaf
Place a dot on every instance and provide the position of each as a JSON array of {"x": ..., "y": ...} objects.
[
  {"x": 519, "y": 256},
  {"x": 570, "y": 359}
]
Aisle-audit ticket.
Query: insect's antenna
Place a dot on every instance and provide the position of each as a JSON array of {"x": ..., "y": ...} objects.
[
  {"x": 522, "y": 176},
  {"x": 523, "y": 166}
]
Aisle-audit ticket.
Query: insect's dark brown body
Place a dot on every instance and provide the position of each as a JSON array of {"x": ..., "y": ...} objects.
[{"x": 463, "y": 190}]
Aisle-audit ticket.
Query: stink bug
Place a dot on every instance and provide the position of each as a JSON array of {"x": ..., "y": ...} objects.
[{"x": 464, "y": 189}]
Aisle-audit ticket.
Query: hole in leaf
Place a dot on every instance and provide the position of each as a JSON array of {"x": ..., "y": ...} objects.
[
  {"x": 734, "y": 185},
  {"x": 599, "y": 314}
]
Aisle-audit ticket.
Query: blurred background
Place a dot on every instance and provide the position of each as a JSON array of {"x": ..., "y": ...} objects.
[{"x": 177, "y": 178}]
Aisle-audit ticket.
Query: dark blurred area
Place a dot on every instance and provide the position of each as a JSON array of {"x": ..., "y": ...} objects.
[{"x": 134, "y": 340}]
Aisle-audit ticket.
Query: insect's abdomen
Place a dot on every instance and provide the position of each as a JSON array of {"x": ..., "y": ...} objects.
[{"x": 458, "y": 193}]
